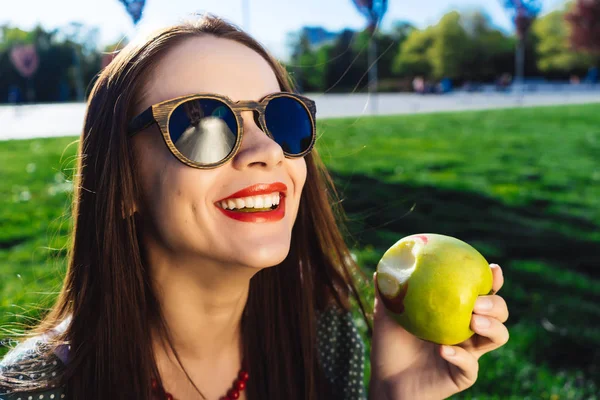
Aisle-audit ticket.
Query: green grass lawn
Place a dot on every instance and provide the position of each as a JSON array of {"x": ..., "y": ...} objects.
[{"x": 522, "y": 186}]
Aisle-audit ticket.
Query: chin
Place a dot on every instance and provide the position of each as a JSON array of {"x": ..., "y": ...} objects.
[{"x": 266, "y": 256}]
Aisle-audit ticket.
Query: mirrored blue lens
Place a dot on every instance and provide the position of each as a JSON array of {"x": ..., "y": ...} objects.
[{"x": 289, "y": 122}]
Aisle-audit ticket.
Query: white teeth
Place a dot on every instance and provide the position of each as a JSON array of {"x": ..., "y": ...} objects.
[
  {"x": 262, "y": 201},
  {"x": 268, "y": 201}
]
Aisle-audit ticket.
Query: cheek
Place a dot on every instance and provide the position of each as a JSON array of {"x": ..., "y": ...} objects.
[
  {"x": 163, "y": 191},
  {"x": 181, "y": 190},
  {"x": 151, "y": 156},
  {"x": 298, "y": 173},
  {"x": 178, "y": 201},
  {"x": 170, "y": 189}
]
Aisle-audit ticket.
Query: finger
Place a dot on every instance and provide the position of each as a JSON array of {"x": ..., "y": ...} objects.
[
  {"x": 497, "y": 278},
  {"x": 464, "y": 366},
  {"x": 492, "y": 334},
  {"x": 492, "y": 306}
]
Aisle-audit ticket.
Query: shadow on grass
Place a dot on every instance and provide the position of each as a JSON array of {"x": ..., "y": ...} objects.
[
  {"x": 552, "y": 276},
  {"x": 513, "y": 233}
]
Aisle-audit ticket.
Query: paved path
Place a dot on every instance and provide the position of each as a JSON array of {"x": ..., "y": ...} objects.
[{"x": 47, "y": 120}]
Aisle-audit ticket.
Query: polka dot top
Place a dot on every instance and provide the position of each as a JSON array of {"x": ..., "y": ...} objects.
[{"x": 340, "y": 349}]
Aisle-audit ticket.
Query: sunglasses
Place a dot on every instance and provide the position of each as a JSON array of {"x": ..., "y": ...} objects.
[{"x": 205, "y": 130}]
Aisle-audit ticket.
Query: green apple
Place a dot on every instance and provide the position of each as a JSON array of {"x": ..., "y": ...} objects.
[{"x": 429, "y": 284}]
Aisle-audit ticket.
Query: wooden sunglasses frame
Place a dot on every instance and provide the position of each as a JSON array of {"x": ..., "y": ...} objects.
[{"x": 160, "y": 114}]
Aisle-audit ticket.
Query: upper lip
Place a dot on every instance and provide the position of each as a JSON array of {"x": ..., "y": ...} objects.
[{"x": 258, "y": 189}]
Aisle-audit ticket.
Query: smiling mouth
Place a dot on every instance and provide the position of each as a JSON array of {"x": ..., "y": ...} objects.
[{"x": 253, "y": 204}]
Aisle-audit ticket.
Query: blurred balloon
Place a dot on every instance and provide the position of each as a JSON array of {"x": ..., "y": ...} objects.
[
  {"x": 523, "y": 13},
  {"x": 25, "y": 59},
  {"x": 134, "y": 8},
  {"x": 373, "y": 10}
]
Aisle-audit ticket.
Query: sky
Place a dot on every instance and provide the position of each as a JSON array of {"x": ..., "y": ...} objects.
[{"x": 269, "y": 21}]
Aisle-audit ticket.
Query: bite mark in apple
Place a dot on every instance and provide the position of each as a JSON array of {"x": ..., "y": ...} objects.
[{"x": 395, "y": 304}]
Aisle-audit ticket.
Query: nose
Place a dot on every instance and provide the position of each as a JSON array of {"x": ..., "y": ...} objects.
[{"x": 257, "y": 149}]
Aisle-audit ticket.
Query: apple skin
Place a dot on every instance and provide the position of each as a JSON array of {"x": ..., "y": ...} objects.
[{"x": 430, "y": 283}]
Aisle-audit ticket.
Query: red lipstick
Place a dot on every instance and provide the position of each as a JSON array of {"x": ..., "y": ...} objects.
[
  {"x": 259, "y": 216},
  {"x": 259, "y": 188}
]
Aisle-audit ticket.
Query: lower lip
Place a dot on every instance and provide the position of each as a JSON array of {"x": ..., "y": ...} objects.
[{"x": 259, "y": 216}]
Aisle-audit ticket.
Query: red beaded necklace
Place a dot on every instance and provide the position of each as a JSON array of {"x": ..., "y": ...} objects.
[{"x": 239, "y": 384}]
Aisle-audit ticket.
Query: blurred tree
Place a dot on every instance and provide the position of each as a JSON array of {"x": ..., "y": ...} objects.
[
  {"x": 585, "y": 25},
  {"x": 555, "y": 55},
  {"x": 56, "y": 79},
  {"x": 339, "y": 64},
  {"x": 460, "y": 47},
  {"x": 10, "y": 35},
  {"x": 463, "y": 47},
  {"x": 491, "y": 51},
  {"x": 307, "y": 64},
  {"x": 388, "y": 43},
  {"x": 451, "y": 48},
  {"x": 413, "y": 58},
  {"x": 401, "y": 30},
  {"x": 346, "y": 66}
]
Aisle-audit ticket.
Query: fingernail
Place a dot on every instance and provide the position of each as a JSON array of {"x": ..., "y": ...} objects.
[
  {"x": 483, "y": 304},
  {"x": 494, "y": 265},
  {"x": 449, "y": 351},
  {"x": 482, "y": 322}
]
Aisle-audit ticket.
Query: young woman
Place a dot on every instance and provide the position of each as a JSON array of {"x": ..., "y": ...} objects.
[{"x": 206, "y": 260}]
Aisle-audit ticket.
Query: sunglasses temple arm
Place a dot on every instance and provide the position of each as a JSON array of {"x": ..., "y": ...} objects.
[
  {"x": 312, "y": 107},
  {"x": 141, "y": 122}
]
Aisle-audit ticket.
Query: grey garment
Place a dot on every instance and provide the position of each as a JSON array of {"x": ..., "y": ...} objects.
[{"x": 340, "y": 350}]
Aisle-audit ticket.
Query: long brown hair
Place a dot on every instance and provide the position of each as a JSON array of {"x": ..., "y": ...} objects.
[{"x": 107, "y": 291}]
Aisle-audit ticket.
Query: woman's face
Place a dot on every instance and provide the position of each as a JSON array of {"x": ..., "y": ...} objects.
[{"x": 180, "y": 202}]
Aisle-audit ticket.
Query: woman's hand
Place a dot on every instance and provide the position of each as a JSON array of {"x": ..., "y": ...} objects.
[{"x": 406, "y": 367}]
